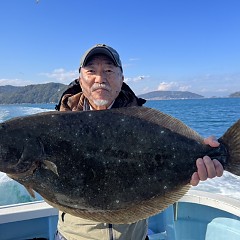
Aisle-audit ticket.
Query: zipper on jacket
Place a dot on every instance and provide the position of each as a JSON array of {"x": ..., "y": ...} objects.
[{"x": 110, "y": 227}]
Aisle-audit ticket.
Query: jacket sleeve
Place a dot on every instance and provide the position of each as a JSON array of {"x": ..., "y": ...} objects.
[{"x": 73, "y": 88}]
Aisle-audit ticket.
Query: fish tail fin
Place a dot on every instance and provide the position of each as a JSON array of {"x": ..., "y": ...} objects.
[{"x": 231, "y": 139}]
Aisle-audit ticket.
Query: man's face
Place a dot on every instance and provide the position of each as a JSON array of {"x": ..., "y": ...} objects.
[{"x": 101, "y": 81}]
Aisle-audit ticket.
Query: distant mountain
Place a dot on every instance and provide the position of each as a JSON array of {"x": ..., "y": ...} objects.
[
  {"x": 160, "y": 95},
  {"x": 51, "y": 93},
  {"x": 8, "y": 89},
  {"x": 38, "y": 93},
  {"x": 235, "y": 95}
]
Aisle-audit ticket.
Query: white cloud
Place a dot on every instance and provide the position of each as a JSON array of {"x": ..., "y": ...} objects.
[
  {"x": 61, "y": 75},
  {"x": 222, "y": 90},
  {"x": 14, "y": 82},
  {"x": 172, "y": 86},
  {"x": 134, "y": 59},
  {"x": 137, "y": 78},
  {"x": 163, "y": 86}
]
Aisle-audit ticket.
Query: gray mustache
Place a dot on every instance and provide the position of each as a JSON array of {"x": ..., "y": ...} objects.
[{"x": 101, "y": 86}]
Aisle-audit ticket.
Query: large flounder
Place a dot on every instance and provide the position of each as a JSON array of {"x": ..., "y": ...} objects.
[{"x": 117, "y": 165}]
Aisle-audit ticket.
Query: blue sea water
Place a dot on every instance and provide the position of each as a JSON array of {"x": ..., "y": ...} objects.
[
  {"x": 206, "y": 116},
  {"x": 210, "y": 116}
]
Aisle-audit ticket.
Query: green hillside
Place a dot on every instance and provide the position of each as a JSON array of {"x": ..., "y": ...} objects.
[{"x": 39, "y": 93}]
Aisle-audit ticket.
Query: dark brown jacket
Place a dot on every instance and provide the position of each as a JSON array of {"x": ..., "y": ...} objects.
[{"x": 73, "y": 98}]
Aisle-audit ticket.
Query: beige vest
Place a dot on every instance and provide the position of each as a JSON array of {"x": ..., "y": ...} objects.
[{"x": 74, "y": 228}]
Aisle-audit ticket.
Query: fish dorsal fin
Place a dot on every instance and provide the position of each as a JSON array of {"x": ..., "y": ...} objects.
[{"x": 160, "y": 118}]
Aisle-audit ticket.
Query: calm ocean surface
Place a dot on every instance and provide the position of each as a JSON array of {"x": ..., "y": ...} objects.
[{"x": 206, "y": 116}]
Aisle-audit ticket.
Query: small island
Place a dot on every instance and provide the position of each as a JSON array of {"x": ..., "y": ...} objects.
[{"x": 162, "y": 95}]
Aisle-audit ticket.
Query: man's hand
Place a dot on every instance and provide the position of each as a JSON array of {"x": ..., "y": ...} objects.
[{"x": 207, "y": 168}]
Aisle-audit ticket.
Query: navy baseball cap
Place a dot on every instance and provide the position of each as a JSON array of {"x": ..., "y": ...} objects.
[{"x": 101, "y": 49}]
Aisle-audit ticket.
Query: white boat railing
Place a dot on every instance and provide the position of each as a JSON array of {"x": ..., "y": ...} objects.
[
  {"x": 29, "y": 218},
  {"x": 218, "y": 201}
]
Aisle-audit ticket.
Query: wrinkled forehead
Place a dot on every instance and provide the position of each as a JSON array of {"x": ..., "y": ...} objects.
[{"x": 99, "y": 58}]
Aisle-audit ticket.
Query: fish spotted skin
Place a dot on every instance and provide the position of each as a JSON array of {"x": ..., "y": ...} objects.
[{"x": 117, "y": 165}]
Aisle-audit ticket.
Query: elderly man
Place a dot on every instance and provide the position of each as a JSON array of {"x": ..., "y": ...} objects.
[{"x": 100, "y": 86}]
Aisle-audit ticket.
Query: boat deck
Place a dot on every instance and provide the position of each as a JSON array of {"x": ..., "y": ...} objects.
[{"x": 197, "y": 216}]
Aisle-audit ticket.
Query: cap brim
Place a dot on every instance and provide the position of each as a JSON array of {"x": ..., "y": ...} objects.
[{"x": 99, "y": 50}]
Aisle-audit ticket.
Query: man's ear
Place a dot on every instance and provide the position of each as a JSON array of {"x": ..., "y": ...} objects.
[
  {"x": 80, "y": 81},
  {"x": 122, "y": 78}
]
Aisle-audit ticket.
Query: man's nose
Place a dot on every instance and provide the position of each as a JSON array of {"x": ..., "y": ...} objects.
[{"x": 100, "y": 77}]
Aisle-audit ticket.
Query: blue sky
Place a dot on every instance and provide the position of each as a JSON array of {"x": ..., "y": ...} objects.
[{"x": 191, "y": 45}]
